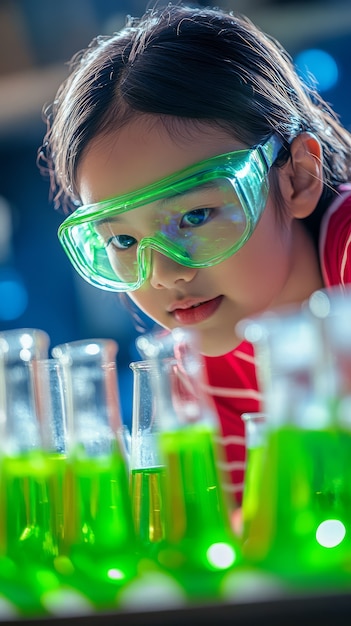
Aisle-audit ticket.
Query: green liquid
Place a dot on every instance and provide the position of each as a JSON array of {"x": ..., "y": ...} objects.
[
  {"x": 99, "y": 530},
  {"x": 21, "y": 590},
  {"x": 196, "y": 513},
  {"x": 65, "y": 523},
  {"x": 32, "y": 523},
  {"x": 253, "y": 477},
  {"x": 31, "y": 527},
  {"x": 101, "y": 517},
  {"x": 306, "y": 483},
  {"x": 147, "y": 504}
]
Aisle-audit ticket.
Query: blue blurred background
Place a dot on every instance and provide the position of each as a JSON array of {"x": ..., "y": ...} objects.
[{"x": 38, "y": 287}]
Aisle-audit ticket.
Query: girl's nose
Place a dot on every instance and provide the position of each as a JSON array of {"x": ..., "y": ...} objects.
[{"x": 166, "y": 273}]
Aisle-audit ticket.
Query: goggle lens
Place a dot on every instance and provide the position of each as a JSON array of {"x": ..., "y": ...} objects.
[{"x": 197, "y": 221}]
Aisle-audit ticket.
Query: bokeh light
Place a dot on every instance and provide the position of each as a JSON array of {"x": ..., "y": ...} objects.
[
  {"x": 318, "y": 68},
  {"x": 330, "y": 533},
  {"x": 13, "y": 296}
]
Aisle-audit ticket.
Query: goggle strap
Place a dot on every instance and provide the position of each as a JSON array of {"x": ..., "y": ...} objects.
[{"x": 269, "y": 150}]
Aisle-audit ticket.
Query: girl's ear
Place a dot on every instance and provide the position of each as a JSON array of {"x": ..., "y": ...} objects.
[{"x": 301, "y": 178}]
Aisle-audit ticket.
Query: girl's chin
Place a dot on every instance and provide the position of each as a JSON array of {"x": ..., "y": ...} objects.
[{"x": 218, "y": 348}]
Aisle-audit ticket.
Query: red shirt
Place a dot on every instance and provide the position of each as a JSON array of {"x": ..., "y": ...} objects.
[
  {"x": 232, "y": 377},
  {"x": 335, "y": 240}
]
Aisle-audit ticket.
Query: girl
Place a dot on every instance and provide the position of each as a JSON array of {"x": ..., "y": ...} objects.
[{"x": 210, "y": 181}]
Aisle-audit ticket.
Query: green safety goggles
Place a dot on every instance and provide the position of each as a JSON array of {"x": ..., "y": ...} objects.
[{"x": 197, "y": 217}]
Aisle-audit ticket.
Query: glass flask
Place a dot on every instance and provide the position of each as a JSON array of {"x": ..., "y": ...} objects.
[
  {"x": 255, "y": 436},
  {"x": 26, "y": 539},
  {"x": 199, "y": 546},
  {"x": 51, "y": 397},
  {"x": 100, "y": 555},
  {"x": 301, "y": 530},
  {"x": 147, "y": 471},
  {"x": 331, "y": 310}
]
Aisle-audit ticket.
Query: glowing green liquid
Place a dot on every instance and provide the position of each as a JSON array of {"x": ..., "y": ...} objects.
[
  {"x": 31, "y": 487},
  {"x": 31, "y": 527},
  {"x": 65, "y": 522},
  {"x": 101, "y": 515},
  {"x": 99, "y": 529},
  {"x": 196, "y": 513},
  {"x": 307, "y": 483},
  {"x": 20, "y": 590}
]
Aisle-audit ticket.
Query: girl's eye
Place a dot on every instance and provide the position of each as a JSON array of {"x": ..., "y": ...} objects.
[
  {"x": 122, "y": 242},
  {"x": 195, "y": 218}
]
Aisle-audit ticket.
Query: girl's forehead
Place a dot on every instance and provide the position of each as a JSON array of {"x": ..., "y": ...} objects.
[{"x": 138, "y": 154}]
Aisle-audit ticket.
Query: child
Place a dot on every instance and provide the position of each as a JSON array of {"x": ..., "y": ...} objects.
[{"x": 210, "y": 181}]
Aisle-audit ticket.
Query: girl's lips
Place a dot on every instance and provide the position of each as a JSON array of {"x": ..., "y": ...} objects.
[{"x": 198, "y": 313}]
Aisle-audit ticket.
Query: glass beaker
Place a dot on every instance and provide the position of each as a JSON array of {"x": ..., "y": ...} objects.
[
  {"x": 146, "y": 465},
  {"x": 99, "y": 531},
  {"x": 199, "y": 545}
]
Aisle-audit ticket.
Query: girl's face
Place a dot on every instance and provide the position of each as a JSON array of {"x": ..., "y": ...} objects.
[{"x": 263, "y": 274}]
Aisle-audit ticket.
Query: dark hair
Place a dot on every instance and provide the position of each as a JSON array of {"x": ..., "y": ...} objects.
[{"x": 187, "y": 64}]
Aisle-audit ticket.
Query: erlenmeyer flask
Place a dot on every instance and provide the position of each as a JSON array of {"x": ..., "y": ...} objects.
[
  {"x": 301, "y": 528},
  {"x": 100, "y": 538},
  {"x": 199, "y": 545},
  {"x": 25, "y": 533}
]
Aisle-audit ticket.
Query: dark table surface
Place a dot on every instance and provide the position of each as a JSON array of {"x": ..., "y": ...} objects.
[{"x": 321, "y": 609}]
